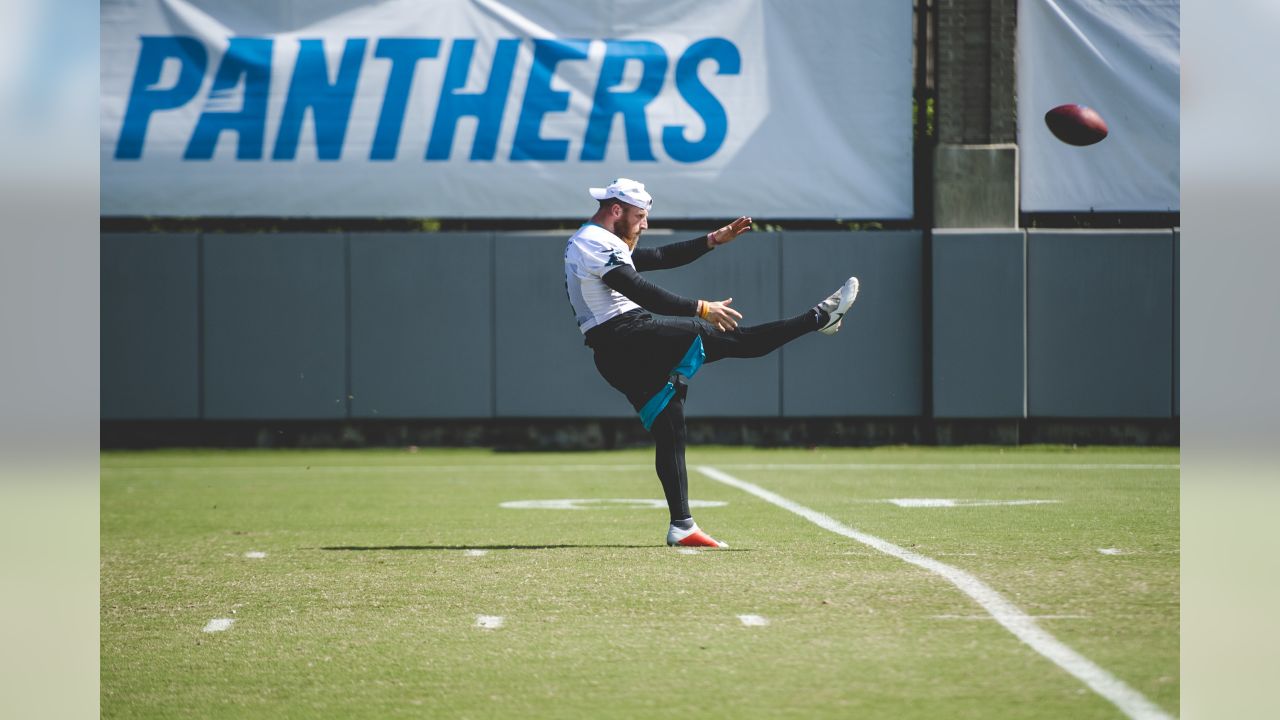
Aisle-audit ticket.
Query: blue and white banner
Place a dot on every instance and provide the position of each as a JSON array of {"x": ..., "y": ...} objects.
[
  {"x": 482, "y": 108},
  {"x": 1121, "y": 58}
]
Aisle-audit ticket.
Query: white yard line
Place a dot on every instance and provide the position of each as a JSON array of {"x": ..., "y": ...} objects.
[
  {"x": 879, "y": 467},
  {"x": 255, "y": 554},
  {"x": 1131, "y": 702},
  {"x": 988, "y": 617},
  {"x": 489, "y": 622},
  {"x": 218, "y": 625},
  {"x": 688, "y": 551},
  {"x": 753, "y": 620},
  {"x": 958, "y": 503},
  {"x": 476, "y": 553}
]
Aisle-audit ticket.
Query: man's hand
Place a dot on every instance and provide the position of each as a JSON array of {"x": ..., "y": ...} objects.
[
  {"x": 721, "y": 315},
  {"x": 729, "y": 232}
]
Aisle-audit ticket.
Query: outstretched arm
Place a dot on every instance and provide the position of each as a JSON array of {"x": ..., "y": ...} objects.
[
  {"x": 683, "y": 253},
  {"x": 663, "y": 302},
  {"x": 670, "y": 256}
]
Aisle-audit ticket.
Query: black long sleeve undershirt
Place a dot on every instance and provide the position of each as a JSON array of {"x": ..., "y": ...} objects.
[
  {"x": 647, "y": 295},
  {"x": 669, "y": 256}
]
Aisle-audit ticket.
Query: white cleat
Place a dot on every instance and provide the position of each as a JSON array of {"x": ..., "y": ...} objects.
[
  {"x": 837, "y": 305},
  {"x": 693, "y": 537}
]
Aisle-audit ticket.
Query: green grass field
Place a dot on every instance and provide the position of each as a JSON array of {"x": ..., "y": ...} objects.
[{"x": 366, "y": 603}]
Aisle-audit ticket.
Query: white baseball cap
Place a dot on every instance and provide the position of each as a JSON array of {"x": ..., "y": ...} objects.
[{"x": 627, "y": 190}]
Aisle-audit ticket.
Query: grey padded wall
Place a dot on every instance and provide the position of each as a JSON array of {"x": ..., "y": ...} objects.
[
  {"x": 1099, "y": 323},
  {"x": 149, "y": 327},
  {"x": 749, "y": 271},
  {"x": 542, "y": 367},
  {"x": 872, "y": 367},
  {"x": 978, "y": 324},
  {"x": 477, "y": 325},
  {"x": 275, "y": 326},
  {"x": 1177, "y": 320},
  {"x": 421, "y": 307}
]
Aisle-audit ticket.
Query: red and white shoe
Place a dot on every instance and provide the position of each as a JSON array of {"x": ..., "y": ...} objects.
[{"x": 693, "y": 537}]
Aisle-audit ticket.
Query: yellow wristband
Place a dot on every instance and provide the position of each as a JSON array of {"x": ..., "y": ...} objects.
[{"x": 702, "y": 309}]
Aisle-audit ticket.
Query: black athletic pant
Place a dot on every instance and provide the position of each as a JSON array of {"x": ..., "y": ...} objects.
[
  {"x": 756, "y": 340},
  {"x": 637, "y": 353},
  {"x": 669, "y": 437}
]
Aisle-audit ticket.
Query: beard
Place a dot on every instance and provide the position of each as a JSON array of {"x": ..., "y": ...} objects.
[{"x": 631, "y": 239}]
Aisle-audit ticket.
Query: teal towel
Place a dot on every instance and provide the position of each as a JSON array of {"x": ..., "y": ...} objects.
[{"x": 688, "y": 367}]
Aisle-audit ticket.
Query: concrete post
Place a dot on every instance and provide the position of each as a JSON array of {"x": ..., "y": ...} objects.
[{"x": 976, "y": 160}]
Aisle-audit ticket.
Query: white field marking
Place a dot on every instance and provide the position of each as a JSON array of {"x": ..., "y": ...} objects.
[
  {"x": 950, "y": 502},
  {"x": 753, "y": 620},
  {"x": 688, "y": 551},
  {"x": 600, "y": 504},
  {"x": 218, "y": 624},
  {"x": 951, "y": 466},
  {"x": 476, "y": 553},
  {"x": 1131, "y": 702},
  {"x": 489, "y": 622},
  {"x": 1111, "y": 551},
  {"x": 255, "y": 554},
  {"x": 988, "y": 617}
]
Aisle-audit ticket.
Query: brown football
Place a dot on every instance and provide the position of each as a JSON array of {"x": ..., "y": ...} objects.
[{"x": 1076, "y": 124}]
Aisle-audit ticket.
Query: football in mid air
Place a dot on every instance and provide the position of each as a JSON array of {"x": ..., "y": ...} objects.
[{"x": 1076, "y": 124}]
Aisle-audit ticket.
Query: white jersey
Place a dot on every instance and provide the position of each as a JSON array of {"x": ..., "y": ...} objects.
[{"x": 590, "y": 253}]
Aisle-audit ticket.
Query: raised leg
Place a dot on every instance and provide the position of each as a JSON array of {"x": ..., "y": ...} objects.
[{"x": 757, "y": 340}]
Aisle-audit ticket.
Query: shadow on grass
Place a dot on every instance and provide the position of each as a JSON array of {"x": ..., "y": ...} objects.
[{"x": 499, "y": 547}]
